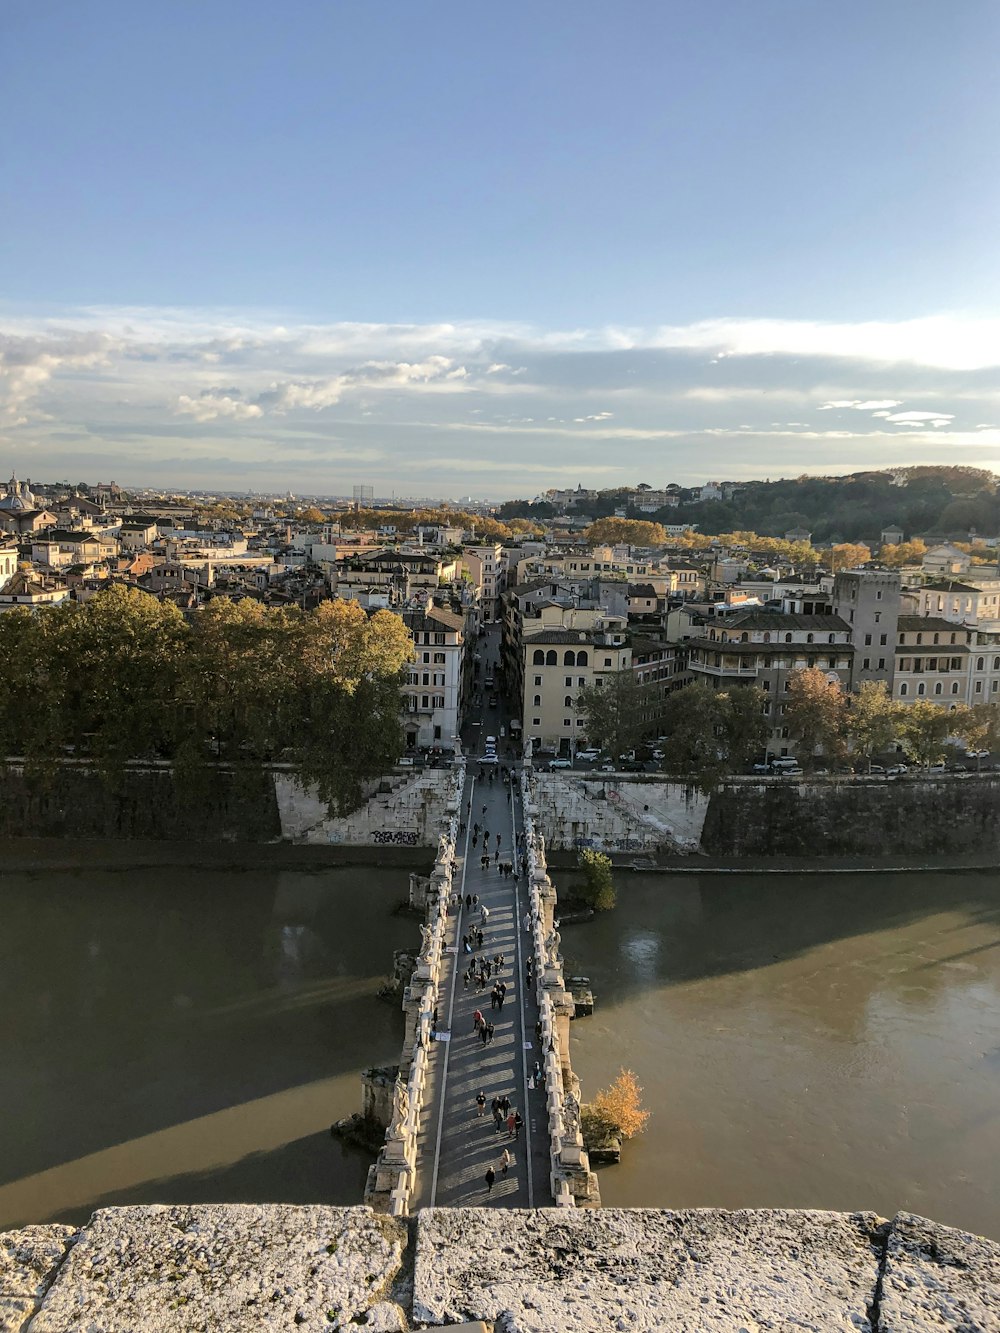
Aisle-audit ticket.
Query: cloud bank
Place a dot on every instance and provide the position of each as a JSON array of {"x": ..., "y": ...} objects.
[{"x": 239, "y": 400}]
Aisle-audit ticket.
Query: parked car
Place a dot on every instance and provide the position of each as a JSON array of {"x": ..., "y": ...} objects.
[
  {"x": 560, "y": 763},
  {"x": 896, "y": 771},
  {"x": 588, "y": 756},
  {"x": 606, "y": 768}
]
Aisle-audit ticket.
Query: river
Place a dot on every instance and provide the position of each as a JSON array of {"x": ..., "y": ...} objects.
[{"x": 189, "y": 1035}]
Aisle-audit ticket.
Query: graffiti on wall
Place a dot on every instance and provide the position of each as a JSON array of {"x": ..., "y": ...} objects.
[{"x": 402, "y": 837}]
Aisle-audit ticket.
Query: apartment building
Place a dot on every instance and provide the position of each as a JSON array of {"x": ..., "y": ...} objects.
[
  {"x": 932, "y": 660},
  {"x": 970, "y": 600},
  {"x": 432, "y": 692},
  {"x": 485, "y": 565},
  {"x": 764, "y": 648},
  {"x": 573, "y": 648},
  {"x": 869, "y": 601}
]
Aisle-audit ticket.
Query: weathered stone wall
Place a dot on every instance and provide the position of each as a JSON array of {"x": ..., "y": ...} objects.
[
  {"x": 909, "y": 819},
  {"x": 403, "y": 810},
  {"x": 251, "y": 1267},
  {"x": 77, "y": 804},
  {"x": 618, "y": 813},
  {"x": 913, "y": 819}
]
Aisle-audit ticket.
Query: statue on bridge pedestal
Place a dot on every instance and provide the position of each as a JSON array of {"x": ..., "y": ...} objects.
[
  {"x": 400, "y": 1102},
  {"x": 571, "y": 1112},
  {"x": 552, "y": 943},
  {"x": 425, "y": 935}
]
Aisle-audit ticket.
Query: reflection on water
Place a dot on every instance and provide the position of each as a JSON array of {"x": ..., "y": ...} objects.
[
  {"x": 188, "y": 1035},
  {"x": 823, "y": 1041}
]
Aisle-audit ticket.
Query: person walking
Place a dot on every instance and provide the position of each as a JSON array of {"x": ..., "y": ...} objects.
[
  {"x": 490, "y": 1033},
  {"x": 527, "y": 923},
  {"x": 511, "y": 1123},
  {"x": 518, "y": 1122},
  {"x": 477, "y": 1021},
  {"x": 491, "y": 1175},
  {"x": 504, "y": 1162},
  {"x": 481, "y": 1103},
  {"x": 497, "y": 1119}
]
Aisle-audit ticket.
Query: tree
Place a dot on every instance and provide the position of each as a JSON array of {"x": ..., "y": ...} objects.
[
  {"x": 692, "y": 721},
  {"x": 847, "y": 555},
  {"x": 617, "y": 1109},
  {"x": 903, "y": 553},
  {"x": 632, "y": 531},
  {"x": 814, "y": 712},
  {"x": 617, "y": 711},
  {"x": 312, "y": 515},
  {"x": 744, "y": 725},
  {"x": 925, "y": 727},
  {"x": 873, "y": 719},
  {"x": 980, "y": 729},
  {"x": 598, "y": 889}
]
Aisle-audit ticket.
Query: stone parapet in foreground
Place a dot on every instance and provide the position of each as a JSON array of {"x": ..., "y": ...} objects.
[{"x": 247, "y": 1267}]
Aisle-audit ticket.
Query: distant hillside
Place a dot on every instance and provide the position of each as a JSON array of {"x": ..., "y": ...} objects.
[{"x": 856, "y": 507}]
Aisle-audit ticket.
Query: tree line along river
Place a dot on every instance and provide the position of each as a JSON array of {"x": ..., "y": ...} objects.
[{"x": 189, "y": 1035}]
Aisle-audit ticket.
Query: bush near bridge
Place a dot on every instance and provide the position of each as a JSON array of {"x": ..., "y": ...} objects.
[
  {"x": 598, "y": 888},
  {"x": 616, "y": 1110}
]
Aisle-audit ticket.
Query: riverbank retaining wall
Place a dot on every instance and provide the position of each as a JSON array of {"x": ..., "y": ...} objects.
[
  {"x": 932, "y": 818},
  {"x": 251, "y": 1267},
  {"x": 941, "y": 818},
  {"x": 402, "y": 809}
]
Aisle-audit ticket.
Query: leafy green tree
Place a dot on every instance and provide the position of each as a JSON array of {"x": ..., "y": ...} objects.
[
  {"x": 815, "y": 712},
  {"x": 693, "y": 721},
  {"x": 873, "y": 720},
  {"x": 598, "y": 889},
  {"x": 618, "y": 712},
  {"x": 743, "y": 725},
  {"x": 925, "y": 728}
]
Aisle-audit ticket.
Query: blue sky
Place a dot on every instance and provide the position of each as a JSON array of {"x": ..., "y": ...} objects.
[{"x": 248, "y": 243}]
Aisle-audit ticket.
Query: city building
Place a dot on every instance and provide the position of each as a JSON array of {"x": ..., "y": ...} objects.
[{"x": 869, "y": 601}]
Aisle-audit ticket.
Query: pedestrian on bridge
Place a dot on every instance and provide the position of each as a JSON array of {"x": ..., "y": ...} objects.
[
  {"x": 511, "y": 1123},
  {"x": 491, "y": 1176},
  {"x": 485, "y": 914},
  {"x": 477, "y": 1021},
  {"x": 518, "y": 1122},
  {"x": 504, "y": 1162}
]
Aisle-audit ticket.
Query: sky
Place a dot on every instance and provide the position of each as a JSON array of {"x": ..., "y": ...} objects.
[{"x": 452, "y": 249}]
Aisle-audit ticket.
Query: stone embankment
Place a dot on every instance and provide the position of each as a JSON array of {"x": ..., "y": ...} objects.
[{"x": 242, "y": 1268}]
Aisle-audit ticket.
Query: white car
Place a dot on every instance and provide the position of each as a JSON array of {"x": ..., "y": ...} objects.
[
  {"x": 588, "y": 756},
  {"x": 560, "y": 763}
]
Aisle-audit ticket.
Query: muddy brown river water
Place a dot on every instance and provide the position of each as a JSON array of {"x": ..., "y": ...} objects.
[{"x": 189, "y": 1035}]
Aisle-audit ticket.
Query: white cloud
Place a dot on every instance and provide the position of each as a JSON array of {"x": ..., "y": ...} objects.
[
  {"x": 211, "y": 406},
  {"x": 861, "y": 405},
  {"x": 920, "y": 418}
]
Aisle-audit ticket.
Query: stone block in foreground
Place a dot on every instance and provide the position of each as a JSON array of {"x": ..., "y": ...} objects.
[
  {"x": 702, "y": 1269},
  {"x": 937, "y": 1278},
  {"x": 233, "y": 1267},
  {"x": 29, "y": 1258}
]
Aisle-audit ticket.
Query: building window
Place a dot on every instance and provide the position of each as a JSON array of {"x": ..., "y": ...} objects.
[
  {"x": 581, "y": 681},
  {"x": 567, "y": 681},
  {"x": 866, "y": 664},
  {"x": 579, "y": 721},
  {"x": 921, "y": 687},
  {"x": 788, "y": 638},
  {"x": 878, "y": 596},
  {"x": 938, "y": 688},
  {"x": 902, "y": 690},
  {"x": 551, "y": 657},
  {"x": 536, "y": 721},
  {"x": 569, "y": 659},
  {"x": 920, "y": 638},
  {"x": 539, "y": 658},
  {"x": 538, "y": 680},
  {"x": 881, "y": 664},
  {"x": 980, "y": 663},
  {"x": 607, "y": 661},
  {"x": 568, "y": 701},
  {"x": 979, "y": 687},
  {"x": 581, "y": 658},
  {"x": 868, "y": 640},
  {"x": 954, "y": 687},
  {"x": 567, "y": 721},
  {"x": 884, "y": 638},
  {"x": 537, "y": 701}
]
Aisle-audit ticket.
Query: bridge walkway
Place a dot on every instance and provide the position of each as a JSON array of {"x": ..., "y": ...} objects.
[{"x": 456, "y": 1144}]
